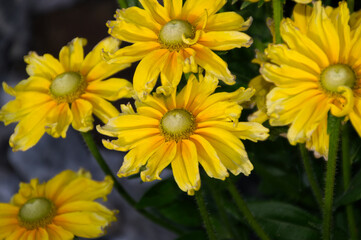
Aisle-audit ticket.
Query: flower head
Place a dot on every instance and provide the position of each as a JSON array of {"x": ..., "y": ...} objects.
[
  {"x": 58, "y": 209},
  {"x": 194, "y": 127},
  {"x": 176, "y": 38},
  {"x": 63, "y": 92},
  {"x": 316, "y": 70}
]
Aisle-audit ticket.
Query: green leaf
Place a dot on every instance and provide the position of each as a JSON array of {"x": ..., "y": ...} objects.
[
  {"x": 353, "y": 193},
  {"x": 283, "y": 221},
  {"x": 260, "y": 3},
  {"x": 160, "y": 194},
  {"x": 245, "y": 4},
  {"x": 196, "y": 235}
]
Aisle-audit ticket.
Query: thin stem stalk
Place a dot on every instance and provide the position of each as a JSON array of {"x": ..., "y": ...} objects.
[
  {"x": 204, "y": 214},
  {"x": 346, "y": 172},
  {"x": 277, "y": 17},
  {"x": 88, "y": 138},
  {"x": 333, "y": 128},
  {"x": 315, "y": 187},
  {"x": 242, "y": 206}
]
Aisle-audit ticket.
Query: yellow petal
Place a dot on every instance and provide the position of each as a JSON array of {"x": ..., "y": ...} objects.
[
  {"x": 355, "y": 52},
  {"x": 157, "y": 11},
  {"x": 161, "y": 158},
  {"x": 208, "y": 158},
  {"x": 132, "y": 53},
  {"x": 193, "y": 9},
  {"x": 147, "y": 72},
  {"x": 139, "y": 17},
  {"x": 227, "y": 21},
  {"x": 130, "y": 32},
  {"x": 82, "y": 224},
  {"x": 25, "y": 103},
  {"x": 225, "y": 40},
  {"x": 43, "y": 66},
  {"x": 139, "y": 155},
  {"x": 32, "y": 84},
  {"x": 86, "y": 206},
  {"x": 303, "y": 44},
  {"x": 213, "y": 63},
  {"x": 72, "y": 55},
  {"x": 82, "y": 115},
  {"x": 171, "y": 73},
  {"x": 58, "y": 120},
  {"x": 94, "y": 57},
  {"x": 301, "y": 15},
  {"x": 103, "y": 109},
  {"x": 355, "y": 116},
  {"x": 111, "y": 89},
  {"x": 185, "y": 167},
  {"x": 347, "y": 106},
  {"x": 55, "y": 185},
  {"x": 17, "y": 234},
  {"x": 174, "y": 8},
  {"x": 303, "y": 1},
  {"x": 58, "y": 233},
  {"x": 31, "y": 128}
]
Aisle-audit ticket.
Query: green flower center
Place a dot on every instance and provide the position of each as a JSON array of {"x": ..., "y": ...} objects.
[
  {"x": 337, "y": 75},
  {"x": 67, "y": 87},
  {"x": 177, "y": 124},
  {"x": 36, "y": 212},
  {"x": 172, "y": 34}
]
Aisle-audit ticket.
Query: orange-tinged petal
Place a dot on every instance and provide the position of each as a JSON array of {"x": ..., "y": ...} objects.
[
  {"x": 31, "y": 128},
  {"x": 58, "y": 120},
  {"x": 225, "y": 40},
  {"x": 212, "y": 63},
  {"x": 58, "y": 233},
  {"x": 17, "y": 234},
  {"x": 147, "y": 72},
  {"x": 160, "y": 159},
  {"x": 185, "y": 167},
  {"x": 82, "y": 111},
  {"x": 208, "y": 158}
]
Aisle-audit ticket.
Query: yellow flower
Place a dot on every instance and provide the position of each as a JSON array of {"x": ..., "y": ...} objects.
[
  {"x": 63, "y": 92},
  {"x": 184, "y": 130},
  {"x": 58, "y": 209},
  {"x": 173, "y": 38},
  {"x": 316, "y": 70}
]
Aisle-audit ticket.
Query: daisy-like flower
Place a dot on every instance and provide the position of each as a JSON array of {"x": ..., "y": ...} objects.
[
  {"x": 185, "y": 130},
  {"x": 58, "y": 209},
  {"x": 63, "y": 92},
  {"x": 316, "y": 70},
  {"x": 172, "y": 39}
]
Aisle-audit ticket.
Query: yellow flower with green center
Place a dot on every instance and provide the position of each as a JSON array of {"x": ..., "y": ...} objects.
[
  {"x": 196, "y": 126},
  {"x": 63, "y": 92},
  {"x": 58, "y": 209},
  {"x": 316, "y": 70},
  {"x": 176, "y": 38}
]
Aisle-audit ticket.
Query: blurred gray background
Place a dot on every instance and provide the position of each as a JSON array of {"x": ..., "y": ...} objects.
[{"x": 45, "y": 26}]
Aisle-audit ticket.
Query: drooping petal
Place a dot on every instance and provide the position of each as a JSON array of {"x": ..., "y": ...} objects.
[
  {"x": 58, "y": 120},
  {"x": 103, "y": 109},
  {"x": 171, "y": 73},
  {"x": 43, "y": 66},
  {"x": 185, "y": 167},
  {"x": 82, "y": 115},
  {"x": 111, "y": 89}
]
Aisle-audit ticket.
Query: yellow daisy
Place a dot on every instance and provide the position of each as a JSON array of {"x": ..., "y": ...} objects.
[
  {"x": 173, "y": 38},
  {"x": 316, "y": 70},
  {"x": 195, "y": 126},
  {"x": 58, "y": 209},
  {"x": 63, "y": 92}
]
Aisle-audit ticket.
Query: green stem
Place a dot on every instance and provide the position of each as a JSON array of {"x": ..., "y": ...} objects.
[
  {"x": 242, "y": 206},
  {"x": 351, "y": 5},
  {"x": 346, "y": 172},
  {"x": 123, "y": 3},
  {"x": 277, "y": 17},
  {"x": 204, "y": 213},
  {"x": 333, "y": 129},
  {"x": 88, "y": 138},
  {"x": 317, "y": 192},
  {"x": 217, "y": 196}
]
